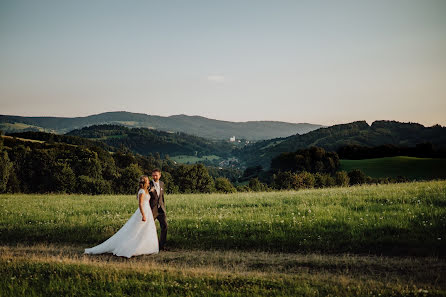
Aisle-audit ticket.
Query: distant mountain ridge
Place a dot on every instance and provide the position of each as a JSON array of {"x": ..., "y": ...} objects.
[
  {"x": 333, "y": 137},
  {"x": 193, "y": 125}
]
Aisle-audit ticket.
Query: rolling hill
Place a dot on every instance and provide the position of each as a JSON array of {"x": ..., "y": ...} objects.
[
  {"x": 194, "y": 125},
  {"x": 409, "y": 167},
  {"x": 333, "y": 137},
  {"x": 145, "y": 141}
]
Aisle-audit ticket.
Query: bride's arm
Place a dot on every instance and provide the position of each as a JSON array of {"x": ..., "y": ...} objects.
[{"x": 141, "y": 208}]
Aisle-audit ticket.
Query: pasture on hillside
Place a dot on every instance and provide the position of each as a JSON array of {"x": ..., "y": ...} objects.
[
  {"x": 352, "y": 241},
  {"x": 411, "y": 167}
]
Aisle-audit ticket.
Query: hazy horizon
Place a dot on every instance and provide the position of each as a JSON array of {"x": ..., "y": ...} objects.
[
  {"x": 316, "y": 62},
  {"x": 193, "y": 115}
]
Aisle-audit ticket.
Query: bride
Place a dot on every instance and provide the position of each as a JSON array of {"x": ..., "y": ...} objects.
[{"x": 138, "y": 236}]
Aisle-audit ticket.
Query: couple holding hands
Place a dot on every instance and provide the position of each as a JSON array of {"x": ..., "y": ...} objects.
[{"x": 138, "y": 236}]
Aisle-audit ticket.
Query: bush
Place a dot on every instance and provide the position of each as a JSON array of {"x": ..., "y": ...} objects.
[
  {"x": 5, "y": 168},
  {"x": 342, "y": 179},
  {"x": 285, "y": 180},
  {"x": 169, "y": 186},
  {"x": 127, "y": 182},
  {"x": 223, "y": 185},
  {"x": 357, "y": 177},
  {"x": 193, "y": 179},
  {"x": 319, "y": 180},
  {"x": 94, "y": 186},
  {"x": 305, "y": 180},
  {"x": 243, "y": 188},
  {"x": 256, "y": 186},
  {"x": 64, "y": 178}
]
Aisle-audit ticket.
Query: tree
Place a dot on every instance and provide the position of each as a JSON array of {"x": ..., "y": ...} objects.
[
  {"x": 342, "y": 179},
  {"x": 86, "y": 162},
  {"x": 251, "y": 172},
  {"x": 223, "y": 185},
  {"x": 305, "y": 179},
  {"x": 243, "y": 188},
  {"x": 193, "y": 179},
  {"x": 285, "y": 180},
  {"x": 64, "y": 179},
  {"x": 127, "y": 182},
  {"x": 356, "y": 177},
  {"x": 257, "y": 186},
  {"x": 123, "y": 159},
  {"x": 5, "y": 169},
  {"x": 169, "y": 185},
  {"x": 313, "y": 159},
  {"x": 94, "y": 186},
  {"x": 13, "y": 185}
]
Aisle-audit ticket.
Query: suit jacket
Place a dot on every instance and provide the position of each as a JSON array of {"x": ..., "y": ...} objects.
[{"x": 154, "y": 199}]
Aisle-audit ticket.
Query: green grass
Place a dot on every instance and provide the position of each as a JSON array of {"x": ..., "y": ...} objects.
[
  {"x": 386, "y": 240},
  {"x": 410, "y": 167},
  {"x": 185, "y": 159},
  {"x": 23, "y": 277},
  {"x": 19, "y": 127},
  {"x": 22, "y": 139},
  {"x": 381, "y": 219}
]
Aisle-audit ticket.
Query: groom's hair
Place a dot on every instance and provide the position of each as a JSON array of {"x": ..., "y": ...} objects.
[{"x": 156, "y": 170}]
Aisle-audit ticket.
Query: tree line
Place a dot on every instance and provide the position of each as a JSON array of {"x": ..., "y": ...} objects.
[
  {"x": 87, "y": 168},
  {"x": 421, "y": 150}
]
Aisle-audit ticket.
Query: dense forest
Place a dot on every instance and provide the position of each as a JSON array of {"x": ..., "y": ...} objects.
[
  {"x": 36, "y": 166},
  {"x": 139, "y": 140},
  {"x": 109, "y": 158},
  {"x": 144, "y": 141},
  {"x": 82, "y": 166},
  {"x": 334, "y": 137}
]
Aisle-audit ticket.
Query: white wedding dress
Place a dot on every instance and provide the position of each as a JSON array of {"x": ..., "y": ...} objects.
[{"x": 135, "y": 238}]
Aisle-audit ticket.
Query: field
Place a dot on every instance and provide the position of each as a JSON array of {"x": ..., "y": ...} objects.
[
  {"x": 410, "y": 167},
  {"x": 377, "y": 240},
  {"x": 185, "y": 159}
]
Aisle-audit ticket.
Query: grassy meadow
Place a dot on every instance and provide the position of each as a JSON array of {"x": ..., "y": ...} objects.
[
  {"x": 410, "y": 167},
  {"x": 185, "y": 159},
  {"x": 386, "y": 240}
]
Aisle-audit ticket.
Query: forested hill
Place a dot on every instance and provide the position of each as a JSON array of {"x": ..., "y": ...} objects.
[
  {"x": 333, "y": 137},
  {"x": 194, "y": 125},
  {"x": 145, "y": 141}
]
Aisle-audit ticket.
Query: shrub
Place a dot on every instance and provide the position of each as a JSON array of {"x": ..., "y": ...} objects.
[
  {"x": 256, "y": 186},
  {"x": 243, "y": 188},
  {"x": 223, "y": 185},
  {"x": 94, "y": 186},
  {"x": 305, "y": 180},
  {"x": 342, "y": 179},
  {"x": 357, "y": 177}
]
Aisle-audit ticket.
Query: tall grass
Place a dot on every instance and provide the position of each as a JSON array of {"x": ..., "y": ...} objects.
[{"x": 397, "y": 219}]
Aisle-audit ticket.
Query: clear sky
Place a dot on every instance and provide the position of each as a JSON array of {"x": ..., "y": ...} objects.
[{"x": 323, "y": 62}]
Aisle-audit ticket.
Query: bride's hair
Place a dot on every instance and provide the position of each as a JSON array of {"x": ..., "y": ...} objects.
[{"x": 142, "y": 181}]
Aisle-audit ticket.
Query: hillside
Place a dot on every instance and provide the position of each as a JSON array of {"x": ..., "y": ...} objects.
[
  {"x": 145, "y": 141},
  {"x": 194, "y": 125},
  {"x": 333, "y": 137},
  {"x": 409, "y": 167}
]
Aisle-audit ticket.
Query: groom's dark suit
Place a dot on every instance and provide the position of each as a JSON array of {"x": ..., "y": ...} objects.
[{"x": 159, "y": 212}]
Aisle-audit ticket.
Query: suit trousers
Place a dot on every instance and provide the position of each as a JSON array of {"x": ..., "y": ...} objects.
[{"x": 162, "y": 219}]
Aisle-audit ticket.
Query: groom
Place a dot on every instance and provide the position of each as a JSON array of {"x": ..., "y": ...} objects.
[{"x": 157, "y": 205}]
